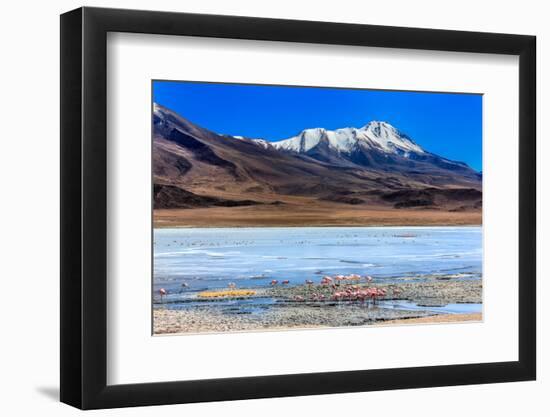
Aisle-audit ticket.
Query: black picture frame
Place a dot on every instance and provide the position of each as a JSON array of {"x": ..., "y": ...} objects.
[{"x": 84, "y": 207}]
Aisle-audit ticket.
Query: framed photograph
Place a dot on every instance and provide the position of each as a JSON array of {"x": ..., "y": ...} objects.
[{"x": 257, "y": 208}]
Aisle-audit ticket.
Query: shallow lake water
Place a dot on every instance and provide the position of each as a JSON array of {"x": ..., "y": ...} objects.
[{"x": 207, "y": 258}]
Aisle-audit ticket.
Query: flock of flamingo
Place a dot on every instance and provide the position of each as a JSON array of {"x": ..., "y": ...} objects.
[{"x": 342, "y": 288}]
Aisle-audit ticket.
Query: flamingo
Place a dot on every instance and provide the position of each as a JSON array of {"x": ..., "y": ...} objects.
[
  {"x": 372, "y": 293},
  {"x": 354, "y": 277},
  {"x": 377, "y": 292},
  {"x": 162, "y": 293},
  {"x": 326, "y": 281}
]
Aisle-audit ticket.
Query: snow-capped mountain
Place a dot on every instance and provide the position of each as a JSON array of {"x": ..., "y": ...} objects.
[
  {"x": 376, "y": 135},
  {"x": 377, "y": 145},
  {"x": 372, "y": 165}
]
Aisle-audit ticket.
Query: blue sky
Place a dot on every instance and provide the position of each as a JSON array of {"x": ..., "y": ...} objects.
[{"x": 449, "y": 125}]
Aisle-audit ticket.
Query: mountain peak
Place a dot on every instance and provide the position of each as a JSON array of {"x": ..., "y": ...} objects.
[
  {"x": 378, "y": 135},
  {"x": 378, "y": 123}
]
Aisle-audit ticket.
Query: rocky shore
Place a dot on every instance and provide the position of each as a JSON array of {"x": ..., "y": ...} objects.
[
  {"x": 301, "y": 307},
  {"x": 433, "y": 292}
]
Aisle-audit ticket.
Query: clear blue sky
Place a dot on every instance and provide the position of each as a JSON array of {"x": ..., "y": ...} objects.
[{"x": 449, "y": 125}]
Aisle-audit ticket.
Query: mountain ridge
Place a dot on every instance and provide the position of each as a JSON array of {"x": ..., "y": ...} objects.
[{"x": 348, "y": 166}]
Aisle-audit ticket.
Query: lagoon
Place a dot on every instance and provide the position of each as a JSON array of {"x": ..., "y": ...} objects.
[{"x": 206, "y": 258}]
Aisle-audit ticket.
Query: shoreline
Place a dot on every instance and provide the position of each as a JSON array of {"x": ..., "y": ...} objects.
[
  {"x": 320, "y": 226},
  {"x": 295, "y": 309},
  {"x": 317, "y": 216},
  {"x": 439, "y": 319},
  {"x": 429, "y": 320}
]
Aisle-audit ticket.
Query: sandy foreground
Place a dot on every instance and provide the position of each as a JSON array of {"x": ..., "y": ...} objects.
[
  {"x": 440, "y": 318},
  {"x": 192, "y": 322},
  {"x": 311, "y": 215},
  {"x": 288, "y": 314}
]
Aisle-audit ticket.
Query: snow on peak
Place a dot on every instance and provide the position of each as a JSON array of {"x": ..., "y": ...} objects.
[
  {"x": 260, "y": 142},
  {"x": 157, "y": 110},
  {"x": 387, "y": 137},
  {"x": 374, "y": 135},
  {"x": 305, "y": 141}
]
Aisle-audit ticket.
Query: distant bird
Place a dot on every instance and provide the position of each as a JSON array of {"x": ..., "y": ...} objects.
[
  {"x": 232, "y": 285},
  {"x": 309, "y": 282},
  {"x": 185, "y": 285},
  {"x": 326, "y": 280},
  {"x": 274, "y": 282},
  {"x": 162, "y": 293},
  {"x": 285, "y": 282}
]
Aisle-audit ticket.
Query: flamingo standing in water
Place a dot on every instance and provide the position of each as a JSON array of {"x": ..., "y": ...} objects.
[
  {"x": 337, "y": 296},
  {"x": 162, "y": 293}
]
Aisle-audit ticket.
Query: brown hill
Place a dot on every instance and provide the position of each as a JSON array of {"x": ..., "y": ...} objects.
[{"x": 194, "y": 167}]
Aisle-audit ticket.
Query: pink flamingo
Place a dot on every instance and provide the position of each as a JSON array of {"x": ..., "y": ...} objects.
[
  {"x": 377, "y": 292},
  {"x": 326, "y": 281},
  {"x": 372, "y": 293},
  {"x": 354, "y": 277},
  {"x": 162, "y": 293}
]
